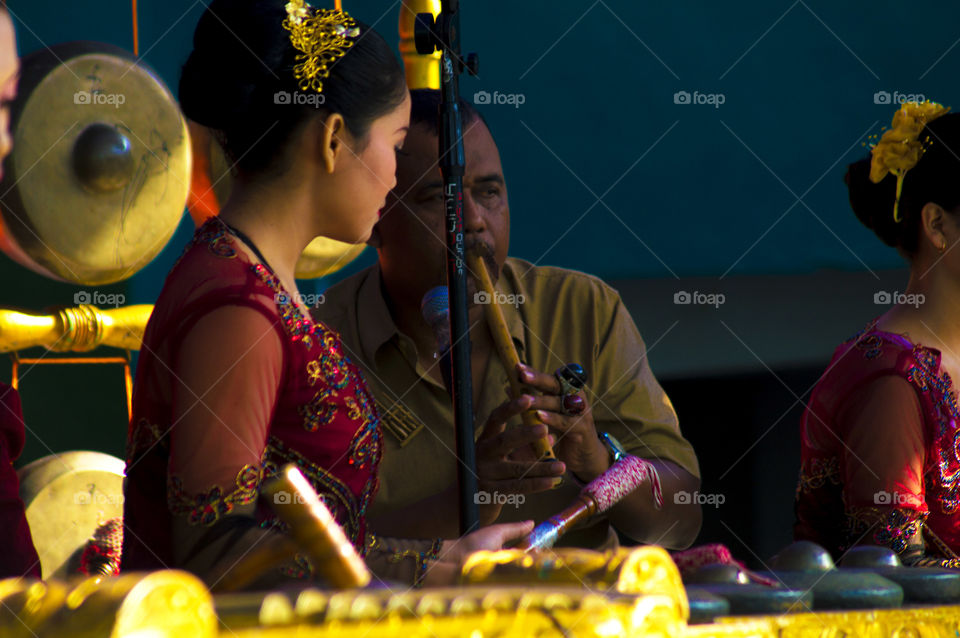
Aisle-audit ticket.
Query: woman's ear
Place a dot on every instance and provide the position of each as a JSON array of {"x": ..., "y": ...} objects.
[
  {"x": 933, "y": 221},
  {"x": 331, "y": 144}
]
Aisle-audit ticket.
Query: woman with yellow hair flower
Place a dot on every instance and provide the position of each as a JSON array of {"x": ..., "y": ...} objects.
[{"x": 880, "y": 461}]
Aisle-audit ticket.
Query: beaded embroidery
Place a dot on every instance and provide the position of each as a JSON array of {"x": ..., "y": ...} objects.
[
  {"x": 213, "y": 233},
  {"x": 366, "y": 445},
  {"x": 332, "y": 491},
  {"x": 320, "y": 411},
  {"x": 207, "y": 507},
  {"x": 895, "y": 529}
]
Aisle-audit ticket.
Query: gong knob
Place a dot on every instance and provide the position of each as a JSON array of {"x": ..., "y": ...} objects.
[{"x": 102, "y": 158}]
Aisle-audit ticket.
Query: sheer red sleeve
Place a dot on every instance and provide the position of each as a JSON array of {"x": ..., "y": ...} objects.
[
  {"x": 884, "y": 454},
  {"x": 227, "y": 371}
]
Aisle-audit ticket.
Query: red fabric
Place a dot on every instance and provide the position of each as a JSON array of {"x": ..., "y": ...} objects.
[
  {"x": 690, "y": 560},
  {"x": 18, "y": 556},
  {"x": 879, "y": 444},
  {"x": 234, "y": 381}
]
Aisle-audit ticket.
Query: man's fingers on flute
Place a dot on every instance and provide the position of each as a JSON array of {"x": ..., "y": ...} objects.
[
  {"x": 506, "y": 442},
  {"x": 507, "y": 410},
  {"x": 541, "y": 381},
  {"x": 560, "y": 422}
]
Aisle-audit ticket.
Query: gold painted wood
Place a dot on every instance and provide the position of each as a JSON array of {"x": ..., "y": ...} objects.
[
  {"x": 161, "y": 604},
  {"x": 78, "y": 329}
]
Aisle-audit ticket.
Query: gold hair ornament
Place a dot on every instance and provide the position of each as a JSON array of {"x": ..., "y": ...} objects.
[
  {"x": 900, "y": 147},
  {"x": 322, "y": 36}
]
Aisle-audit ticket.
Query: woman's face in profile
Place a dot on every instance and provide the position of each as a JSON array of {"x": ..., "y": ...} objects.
[
  {"x": 368, "y": 174},
  {"x": 9, "y": 74}
]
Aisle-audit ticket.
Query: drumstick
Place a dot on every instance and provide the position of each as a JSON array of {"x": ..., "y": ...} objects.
[
  {"x": 313, "y": 530},
  {"x": 506, "y": 349},
  {"x": 600, "y": 495}
]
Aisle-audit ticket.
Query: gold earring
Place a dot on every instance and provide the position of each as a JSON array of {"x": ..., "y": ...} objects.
[{"x": 943, "y": 247}]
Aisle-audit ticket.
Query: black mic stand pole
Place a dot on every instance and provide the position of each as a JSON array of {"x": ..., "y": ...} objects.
[{"x": 443, "y": 34}]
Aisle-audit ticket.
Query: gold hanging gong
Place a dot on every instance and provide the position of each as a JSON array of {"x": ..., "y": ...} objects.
[{"x": 97, "y": 180}]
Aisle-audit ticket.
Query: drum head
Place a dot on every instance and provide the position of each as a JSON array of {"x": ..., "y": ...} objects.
[{"x": 67, "y": 497}]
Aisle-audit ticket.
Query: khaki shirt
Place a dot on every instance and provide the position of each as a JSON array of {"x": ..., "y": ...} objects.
[{"x": 563, "y": 316}]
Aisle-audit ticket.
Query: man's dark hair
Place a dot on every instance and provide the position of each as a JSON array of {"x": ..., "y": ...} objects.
[{"x": 425, "y": 105}]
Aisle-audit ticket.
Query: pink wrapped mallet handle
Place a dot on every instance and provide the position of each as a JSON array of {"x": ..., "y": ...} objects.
[{"x": 600, "y": 495}]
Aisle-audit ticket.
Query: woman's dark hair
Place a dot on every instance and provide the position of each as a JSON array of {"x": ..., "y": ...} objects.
[
  {"x": 933, "y": 179},
  {"x": 239, "y": 81}
]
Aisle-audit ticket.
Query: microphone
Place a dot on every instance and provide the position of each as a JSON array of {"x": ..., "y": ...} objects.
[{"x": 435, "y": 308}]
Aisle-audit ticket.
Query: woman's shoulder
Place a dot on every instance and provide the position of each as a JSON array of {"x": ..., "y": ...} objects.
[
  {"x": 872, "y": 354},
  {"x": 211, "y": 272}
]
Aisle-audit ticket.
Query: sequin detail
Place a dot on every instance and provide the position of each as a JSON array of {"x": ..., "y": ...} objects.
[
  {"x": 295, "y": 324},
  {"x": 367, "y": 443},
  {"x": 320, "y": 411},
  {"x": 923, "y": 373},
  {"x": 208, "y": 507},
  {"x": 214, "y": 234},
  {"x": 894, "y": 528}
]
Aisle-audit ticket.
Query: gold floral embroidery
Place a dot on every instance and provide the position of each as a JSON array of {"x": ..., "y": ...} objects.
[
  {"x": 353, "y": 410},
  {"x": 819, "y": 472},
  {"x": 208, "y": 507},
  {"x": 144, "y": 436}
]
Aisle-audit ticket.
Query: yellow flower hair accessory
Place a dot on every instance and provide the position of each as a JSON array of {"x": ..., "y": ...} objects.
[
  {"x": 322, "y": 37},
  {"x": 900, "y": 147}
]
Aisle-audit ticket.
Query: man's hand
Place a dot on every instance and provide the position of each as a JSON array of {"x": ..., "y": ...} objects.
[
  {"x": 577, "y": 443},
  {"x": 506, "y": 463}
]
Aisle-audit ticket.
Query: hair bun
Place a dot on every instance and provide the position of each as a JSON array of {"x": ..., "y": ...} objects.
[
  {"x": 873, "y": 203},
  {"x": 230, "y": 66}
]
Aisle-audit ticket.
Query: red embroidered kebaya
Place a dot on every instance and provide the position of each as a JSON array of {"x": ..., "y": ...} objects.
[{"x": 311, "y": 408}]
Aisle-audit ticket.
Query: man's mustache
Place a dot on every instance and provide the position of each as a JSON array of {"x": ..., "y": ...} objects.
[{"x": 479, "y": 247}]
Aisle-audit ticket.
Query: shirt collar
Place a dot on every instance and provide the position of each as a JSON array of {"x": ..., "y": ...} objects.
[{"x": 376, "y": 325}]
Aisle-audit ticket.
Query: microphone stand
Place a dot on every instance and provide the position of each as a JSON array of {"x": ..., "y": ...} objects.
[{"x": 443, "y": 34}]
